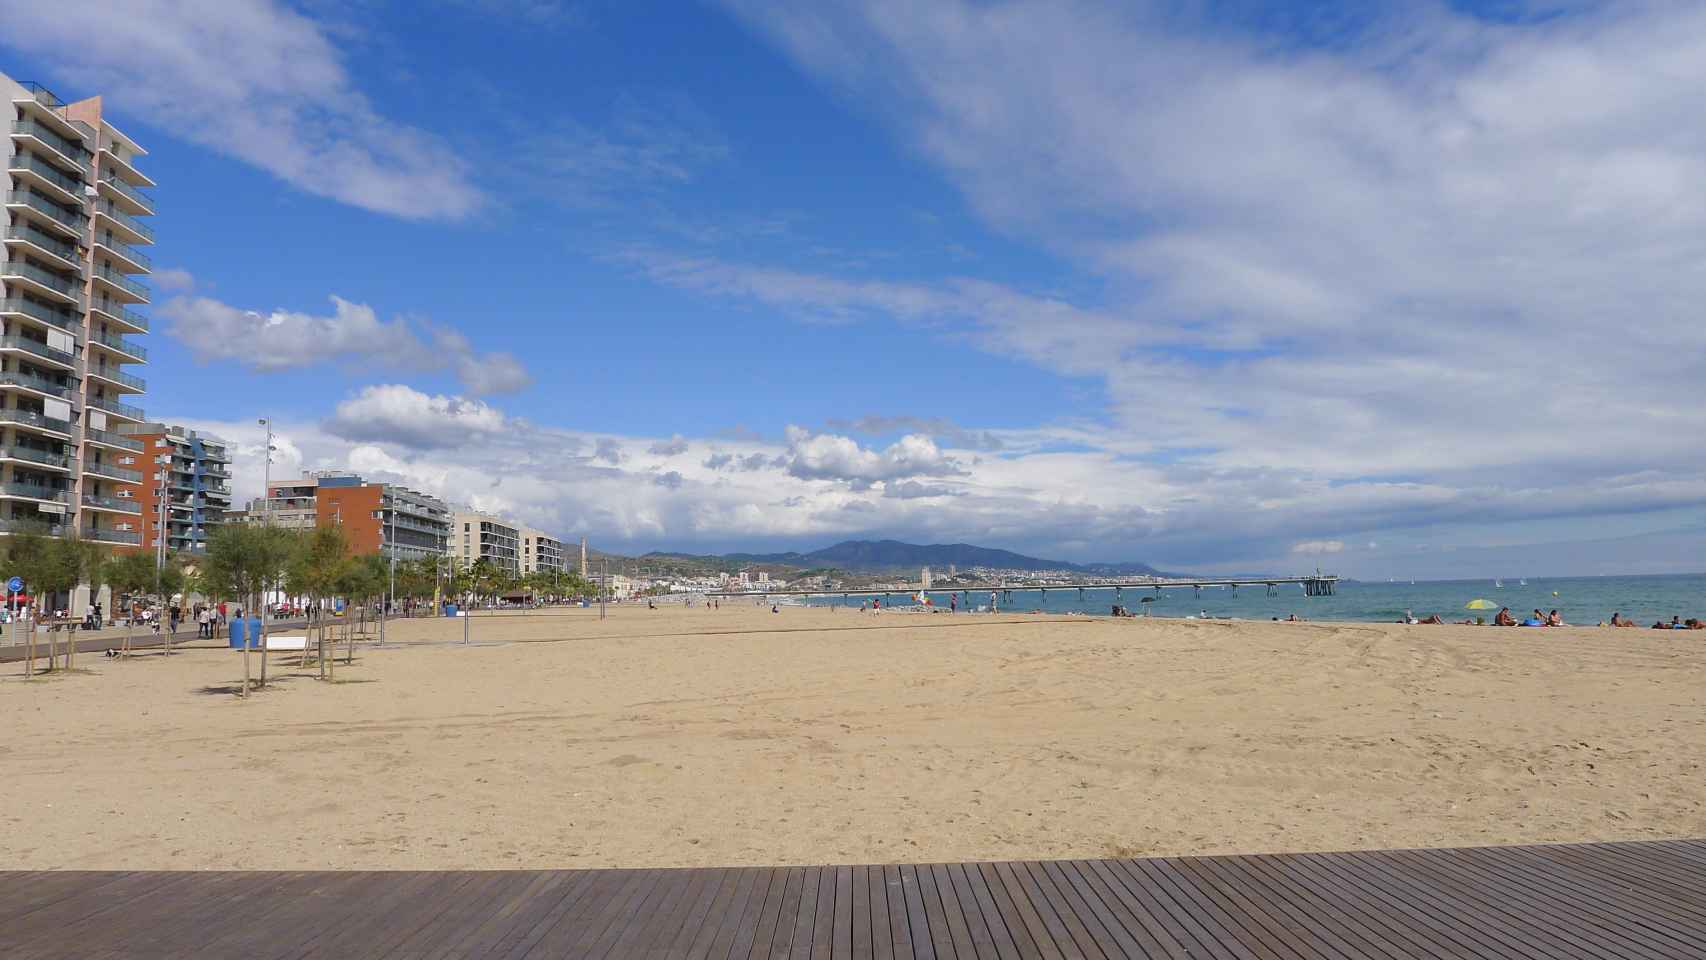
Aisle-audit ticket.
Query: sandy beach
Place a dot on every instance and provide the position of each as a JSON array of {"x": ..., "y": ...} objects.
[{"x": 694, "y": 737}]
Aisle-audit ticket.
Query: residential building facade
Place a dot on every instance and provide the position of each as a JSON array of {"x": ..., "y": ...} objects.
[
  {"x": 185, "y": 491},
  {"x": 74, "y": 200},
  {"x": 377, "y": 518},
  {"x": 480, "y": 536},
  {"x": 540, "y": 552}
]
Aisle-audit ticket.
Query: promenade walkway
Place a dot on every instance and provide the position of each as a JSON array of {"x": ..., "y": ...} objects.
[{"x": 1625, "y": 900}]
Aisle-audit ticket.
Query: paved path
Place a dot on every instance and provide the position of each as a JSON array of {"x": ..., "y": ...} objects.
[{"x": 1623, "y": 900}]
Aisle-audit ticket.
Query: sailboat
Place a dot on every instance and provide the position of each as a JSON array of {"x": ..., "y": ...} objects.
[
  {"x": 1522, "y": 583},
  {"x": 1497, "y": 582}
]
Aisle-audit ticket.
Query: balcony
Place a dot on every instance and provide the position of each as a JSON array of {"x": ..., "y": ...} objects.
[
  {"x": 34, "y": 170},
  {"x": 136, "y": 231},
  {"x": 115, "y": 504},
  {"x": 108, "y": 535},
  {"x": 125, "y": 195},
  {"x": 41, "y": 312},
  {"x": 96, "y": 468},
  {"x": 74, "y": 156},
  {"x": 36, "y": 421},
  {"x": 116, "y": 408},
  {"x": 120, "y": 345},
  {"x": 42, "y": 281},
  {"x": 43, "y": 244},
  {"x": 208, "y": 470},
  {"x": 37, "y": 350},
  {"x": 131, "y": 260},
  {"x": 35, "y": 491},
  {"x": 119, "y": 315},
  {"x": 104, "y": 438},
  {"x": 47, "y": 212},
  {"x": 112, "y": 162},
  {"x": 17, "y": 524},
  {"x": 58, "y": 461},
  {"x": 29, "y": 381},
  {"x": 123, "y": 380},
  {"x": 125, "y": 286}
]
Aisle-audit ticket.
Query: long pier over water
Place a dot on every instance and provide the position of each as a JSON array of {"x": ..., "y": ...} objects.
[{"x": 1315, "y": 586}]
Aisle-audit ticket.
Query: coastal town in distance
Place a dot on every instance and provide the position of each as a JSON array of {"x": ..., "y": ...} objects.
[{"x": 984, "y": 479}]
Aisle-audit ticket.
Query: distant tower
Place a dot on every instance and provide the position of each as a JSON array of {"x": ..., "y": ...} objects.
[
  {"x": 953, "y": 570},
  {"x": 584, "y": 567},
  {"x": 924, "y": 578}
]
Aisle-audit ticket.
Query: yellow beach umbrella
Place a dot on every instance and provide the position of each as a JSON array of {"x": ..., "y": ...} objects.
[{"x": 1480, "y": 605}]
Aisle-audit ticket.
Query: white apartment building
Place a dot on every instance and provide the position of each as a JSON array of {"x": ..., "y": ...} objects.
[
  {"x": 540, "y": 552},
  {"x": 74, "y": 200},
  {"x": 480, "y": 536}
]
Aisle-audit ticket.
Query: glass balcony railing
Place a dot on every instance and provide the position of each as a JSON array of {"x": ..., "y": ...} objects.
[
  {"x": 42, "y": 312},
  {"x": 47, "y": 278},
  {"x": 111, "y": 472},
  {"x": 109, "y": 535},
  {"x": 133, "y": 193},
  {"x": 33, "y": 455},
  {"x": 122, "y": 409},
  {"x": 126, "y": 251},
  {"x": 42, "y": 205},
  {"x": 35, "y": 492},
  {"x": 110, "y": 439},
  {"x": 118, "y": 376},
  {"x": 116, "y": 342},
  {"x": 19, "y": 342},
  {"x": 47, "y": 171},
  {"x": 120, "y": 313},
  {"x": 108, "y": 209},
  {"x": 112, "y": 503},
  {"x": 29, "y": 234},
  {"x": 32, "y": 419},
  {"x": 17, "y": 524},
  {"x": 74, "y": 152},
  {"x": 18, "y": 378},
  {"x": 120, "y": 280}
]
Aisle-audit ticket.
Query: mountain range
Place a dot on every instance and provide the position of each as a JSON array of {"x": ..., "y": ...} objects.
[{"x": 880, "y": 555}]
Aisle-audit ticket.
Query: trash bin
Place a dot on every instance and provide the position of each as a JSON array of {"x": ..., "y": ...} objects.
[
  {"x": 450, "y": 609},
  {"x": 248, "y": 629}
]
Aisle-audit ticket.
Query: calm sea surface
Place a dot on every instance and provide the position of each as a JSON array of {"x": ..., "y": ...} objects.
[{"x": 1582, "y": 600}]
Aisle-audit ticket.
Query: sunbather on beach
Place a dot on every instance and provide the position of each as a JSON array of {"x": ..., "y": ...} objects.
[
  {"x": 1504, "y": 618},
  {"x": 1434, "y": 619},
  {"x": 1554, "y": 620}
]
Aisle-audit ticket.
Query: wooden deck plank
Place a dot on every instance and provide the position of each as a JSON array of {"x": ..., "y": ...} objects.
[{"x": 1642, "y": 901}]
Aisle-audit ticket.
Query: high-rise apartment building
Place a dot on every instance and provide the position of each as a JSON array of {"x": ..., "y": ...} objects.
[
  {"x": 186, "y": 485},
  {"x": 481, "y": 536},
  {"x": 382, "y": 518},
  {"x": 73, "y": 201},
  {"x": 540, "y": 552}
]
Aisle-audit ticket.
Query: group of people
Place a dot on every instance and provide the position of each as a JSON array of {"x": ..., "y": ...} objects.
[
  {"x": 1535, "y": 619},
  {"x": 1676, "y": 623}
]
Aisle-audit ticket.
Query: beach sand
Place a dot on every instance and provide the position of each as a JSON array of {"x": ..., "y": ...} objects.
[{"x": 693, "y": 737}]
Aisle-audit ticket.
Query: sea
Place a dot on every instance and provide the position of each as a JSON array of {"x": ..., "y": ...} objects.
[{"x": 1580, "y": 600}]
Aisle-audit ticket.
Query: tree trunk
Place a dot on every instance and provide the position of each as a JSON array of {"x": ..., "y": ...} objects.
[{"x": 246, "y": 663}]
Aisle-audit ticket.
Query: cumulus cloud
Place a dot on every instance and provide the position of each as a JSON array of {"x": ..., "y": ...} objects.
[
  {"x": 1318, "y": 546},
  {"x": 253, "y": 79},
  {"x": 674, "y": 446},
  {"x": 609, "y": 451},
  {"x": 939, "y": 428},
  {"x": 718, "y": 461},
  {"x": 393, "y": 413},
  {"x": 672, "y": 479},
  {"x": 351, "y": 334},
  {"x": 827, "y": 456},
  {"x": 913, "y": 490}
]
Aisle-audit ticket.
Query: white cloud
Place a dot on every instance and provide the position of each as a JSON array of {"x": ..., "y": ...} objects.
[
  {"x": 255, "y": 80},
  {"x": 351, "y": 334},
  {"x": 827, "y": 456},
  {"x": 173, "y": 280},
  {"x": 1319, "y": 546},
  {"x": 393, "y": 413}
]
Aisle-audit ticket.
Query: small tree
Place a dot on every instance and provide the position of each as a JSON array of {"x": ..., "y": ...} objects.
[
  {"x": 61, "y": 572},
  {"x": 27, "y": 559},
  {"x": 130, "y": 574},
  {"x": 315, "y": 571}
]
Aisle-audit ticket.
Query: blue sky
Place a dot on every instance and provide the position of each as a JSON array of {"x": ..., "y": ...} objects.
[{"x": 1399, "y": 290}]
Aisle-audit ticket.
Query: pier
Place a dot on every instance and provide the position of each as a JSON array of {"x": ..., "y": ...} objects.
[{"x": 1319, "y": 585}]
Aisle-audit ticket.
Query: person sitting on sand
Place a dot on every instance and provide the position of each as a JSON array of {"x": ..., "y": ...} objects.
[
  {"x": 1554, "y": 620},
  {"x": 1504, "y": 618},
  {"x": 1434, "y": 620}
]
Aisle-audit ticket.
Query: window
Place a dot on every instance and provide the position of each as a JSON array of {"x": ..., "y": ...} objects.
[{"x": 127, "y": 460}]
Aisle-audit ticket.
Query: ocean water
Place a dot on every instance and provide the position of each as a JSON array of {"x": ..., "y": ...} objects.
[{"x": 1581, "y": 600}]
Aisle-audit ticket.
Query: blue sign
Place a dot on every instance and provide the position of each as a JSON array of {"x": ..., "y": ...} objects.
[{"x": 15, "y": 585}]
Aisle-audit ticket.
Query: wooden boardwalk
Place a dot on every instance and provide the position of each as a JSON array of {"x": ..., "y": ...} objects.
[{"x": 1623, "y": 900}]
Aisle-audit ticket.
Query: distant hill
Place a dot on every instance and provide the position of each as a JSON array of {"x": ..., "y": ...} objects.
[{"x": 878, "y": 555}]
